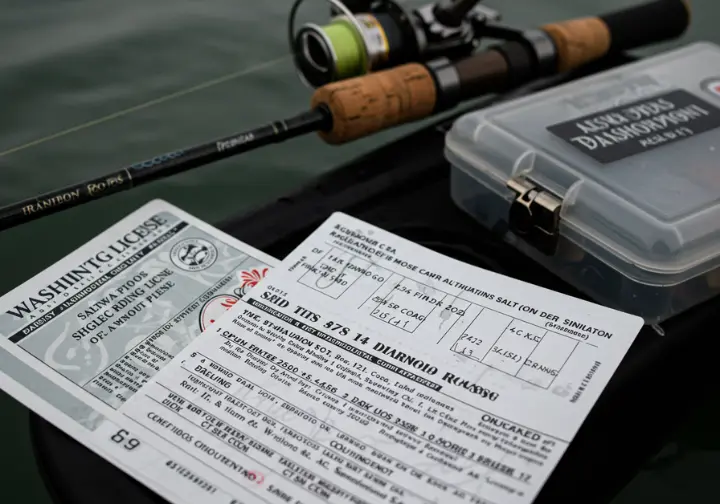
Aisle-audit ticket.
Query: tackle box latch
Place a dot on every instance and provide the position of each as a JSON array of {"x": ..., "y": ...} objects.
[{"x": 534, "y": 214}]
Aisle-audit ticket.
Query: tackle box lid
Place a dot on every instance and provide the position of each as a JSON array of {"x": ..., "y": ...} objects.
[{"x": 625, "y": 164}]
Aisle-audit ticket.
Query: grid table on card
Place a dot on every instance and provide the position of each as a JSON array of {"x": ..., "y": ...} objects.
[
  {"x": 337, "y": 270},
  {"x": 518, "y": 348},
  {"x": 525, "y": 351}
]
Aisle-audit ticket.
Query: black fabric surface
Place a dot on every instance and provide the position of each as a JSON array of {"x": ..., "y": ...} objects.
[{"x": 404, "y": 188}]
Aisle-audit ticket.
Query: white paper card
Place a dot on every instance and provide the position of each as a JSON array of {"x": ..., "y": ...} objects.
[
  {"x": 367, "y": 369},
  {"x": 80, "y": 339}
]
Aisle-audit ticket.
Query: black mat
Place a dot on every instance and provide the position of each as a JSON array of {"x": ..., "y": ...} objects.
[{"x": 404, "y": 188}]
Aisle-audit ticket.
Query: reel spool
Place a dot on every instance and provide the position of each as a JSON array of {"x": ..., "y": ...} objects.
[
  {"x": 361, "y": 38},
  {"x": 366, "y": 36}
]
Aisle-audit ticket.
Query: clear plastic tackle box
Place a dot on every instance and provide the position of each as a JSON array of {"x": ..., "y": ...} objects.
[{"x": 612, "y": 182}]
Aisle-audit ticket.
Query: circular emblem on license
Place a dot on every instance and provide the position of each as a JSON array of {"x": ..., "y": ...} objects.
[
  {"x": 215, "y": 308},
  {"x": 193, "y": 254}
]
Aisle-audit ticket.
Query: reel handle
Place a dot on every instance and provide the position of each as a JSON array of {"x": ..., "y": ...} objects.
[
  {"x": 579, "y": 41},
  {"x": 452, "y": 12}
]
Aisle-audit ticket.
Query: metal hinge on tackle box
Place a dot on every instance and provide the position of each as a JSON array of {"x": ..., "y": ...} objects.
[{"x": 534, "y": 214}]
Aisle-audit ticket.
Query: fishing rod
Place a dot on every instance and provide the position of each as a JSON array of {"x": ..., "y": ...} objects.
[{"x": 350, "y": 109}]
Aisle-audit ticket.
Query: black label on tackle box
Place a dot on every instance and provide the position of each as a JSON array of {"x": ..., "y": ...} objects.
[{"x": 637, "y": 127}]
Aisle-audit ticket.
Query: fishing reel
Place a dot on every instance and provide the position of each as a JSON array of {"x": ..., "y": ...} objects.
[{"x": 365, "y": 36}]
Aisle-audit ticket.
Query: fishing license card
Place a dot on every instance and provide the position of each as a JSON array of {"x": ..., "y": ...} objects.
[
  {"x": 368, "y": 369},
  {"x": 82, "y": 337}
]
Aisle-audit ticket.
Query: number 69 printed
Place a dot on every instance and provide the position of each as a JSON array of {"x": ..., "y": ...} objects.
[{"x": 124, "y": 439}]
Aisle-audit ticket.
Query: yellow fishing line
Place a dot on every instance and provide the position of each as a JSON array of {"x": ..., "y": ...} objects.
[{"x": 156, "y": 101}]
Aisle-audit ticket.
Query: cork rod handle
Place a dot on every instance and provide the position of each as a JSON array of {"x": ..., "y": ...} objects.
[
  {"x": 364, "y": 105},
  {"x": 582, "y": 40}
]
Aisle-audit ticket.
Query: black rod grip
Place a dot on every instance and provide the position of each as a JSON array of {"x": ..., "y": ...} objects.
[
  {"x": 579, "y": 41},
  {"x": 646, "y": 24}
]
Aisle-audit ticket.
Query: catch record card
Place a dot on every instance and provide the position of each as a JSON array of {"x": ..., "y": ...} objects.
[
  {"x": 362, "y": 369},
  {"x": 367, "y": 369}
]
